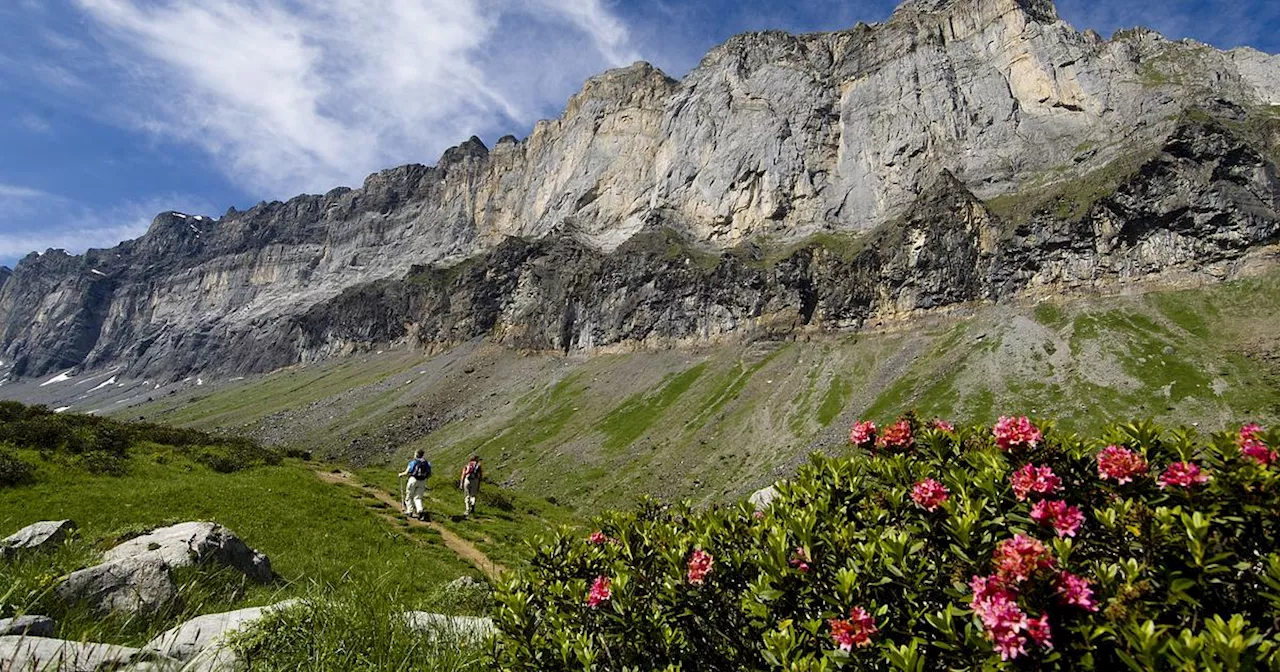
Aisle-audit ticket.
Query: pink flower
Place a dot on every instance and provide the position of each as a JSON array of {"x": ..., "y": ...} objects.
[
  {"x": 1038, "y": 629},
  {"x": 1064, "y": 518},
  {"x": 1183, "y": 475},
  {"x": 758, "y": 515},
  {"x": 929, "y": 494},
  {"x": 1018, "y": 558},
  {"x": 1074, "y": 590},
  {"x": 1002, "y": 620},
  {"x": 863, "y": 433},
  {"x": 597, "y": 538},
  {"x": 1031, "y": 478},
  {"x": 600, "y": 592},
  {"x": 943, "y": 425},
  {"x": 700, "y": 563},
  {"x": 1012, "y": 432},
  {"x": 800, "y": 560},
  {"x": 855, "y": 631},
  {"x": 897, "y": 435},
  {"x": 1253, "y": 447},
  {"x": 1120, "y": 464}
]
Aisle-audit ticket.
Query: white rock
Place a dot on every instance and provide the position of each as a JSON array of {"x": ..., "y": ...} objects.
[
  {"x": 434, "y": 625},
  {"x": 192, "y": 543},
  {"x": 127, "y": 585},
  {"x": 42, "y": 535},
  {"x": 38, "y": 654},
  {"x": 202, "y": 632},
  {"x": 31, "y": 626},
  {"x": 762, "y": 498}
]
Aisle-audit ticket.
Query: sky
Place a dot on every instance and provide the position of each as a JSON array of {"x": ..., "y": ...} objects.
[{"x": 112, "y": 111}]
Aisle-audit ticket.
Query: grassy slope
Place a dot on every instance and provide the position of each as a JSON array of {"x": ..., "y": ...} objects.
[
  {"x": 322, "y": 538},
  {"x": 719, "y": 421}
]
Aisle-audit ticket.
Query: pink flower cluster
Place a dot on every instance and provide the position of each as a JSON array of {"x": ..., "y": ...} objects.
[
  {"x": 700, "y": 563},
  {"x": 897, "y": 435},
  {"x": 853, "y": 631},
  {"x": 929, "y": 494},
  {"x": 1120, "y": 464},
  {"x": 943, "y": 425},
  {"x": 1031, "y": 478},
  {"x": 800, "y": 560},
  {"x": 598, "y": 538},
  {"x": 995, "y": 597},
  {"x": 1014, "y": 432},
  {"x": 600, "y": 592},
  {"x": 863, "y": 433},
  {"x": 1253, "y": 447},
  {"x": 1183, "y": 475},
  {"x": 1064, "y": 518}
]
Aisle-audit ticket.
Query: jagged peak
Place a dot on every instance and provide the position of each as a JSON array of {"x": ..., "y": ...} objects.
[{"x": 1042, "y": 11}]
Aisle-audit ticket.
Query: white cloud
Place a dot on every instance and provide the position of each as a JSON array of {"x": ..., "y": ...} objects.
[
  {"x": 13, "y": 192},
  {"x": 302, "y": 96}
]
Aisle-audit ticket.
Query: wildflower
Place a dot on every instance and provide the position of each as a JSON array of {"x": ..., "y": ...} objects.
[
  {"x": 1074, "y": 590},
  {"x": 1031, "y": 478},
  {"x": 1038, "y": 629},
  {"x": 1018, "y": 558},
  {"x": 897, "y": 435},
  {"x": 1252, "y": 447},
  {"x": 929, "y": 494},
  {"x": 863, "y": 433},
  {"x": 943, "y": 425},
  {"x": 1064, "y": 518},
  {"x": 1120, "y": 464},
  {"x": 1012, "y": 432},
  {"x": 600, "y": 592},
  {"x": 800, "y": 560},
  {"x": 1003, "y": 622},
  {"x": 597, "y": 538},
  {"x": 700, "y": 563},
  {"x": 854, "y": 631},
  {"x": 758, "y": 515},
  {"x": 1182, "y": 474}
]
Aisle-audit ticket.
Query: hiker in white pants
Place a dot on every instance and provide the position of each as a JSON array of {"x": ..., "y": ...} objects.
[
  {"x": 418, "y": 471},
  {"x": 470, "y": 483}
]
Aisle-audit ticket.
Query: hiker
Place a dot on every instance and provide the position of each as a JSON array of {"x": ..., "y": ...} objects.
[
  {"x": 470, "y": 483},
  {"x": 418, "y": 471}
]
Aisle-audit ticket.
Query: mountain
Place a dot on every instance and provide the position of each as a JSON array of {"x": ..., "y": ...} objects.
[{"x": 962, "y": 151}]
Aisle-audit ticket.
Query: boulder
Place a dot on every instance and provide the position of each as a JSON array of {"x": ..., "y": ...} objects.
[
  {"x": 127, "y": 585},
  {"x": 42, "y": 535},
  {"x": 185, "y": 641},
  {"x": 39, "y": 654},
  {"x": 31, "y": 626},
  {"x": 433, "y": 625},
  {"x": 762, "y": 498},
  {"x": 188, "y": 544}
]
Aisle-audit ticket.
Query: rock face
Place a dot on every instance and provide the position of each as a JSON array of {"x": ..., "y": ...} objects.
[
  {"x": 189, "y": 544},
  {"x": 962, "y": 150},
  {"x": 31, "y": 626},
  {"x": 128, "y": 585},
  {"x": 45, "y": 534}
]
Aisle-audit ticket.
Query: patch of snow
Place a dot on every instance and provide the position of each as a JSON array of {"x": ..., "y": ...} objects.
[
  {"x": 96, "y": 272},
  {"x": 179, "y": 215},
  {"x": 156, "y": 387},
  {"x": 237, "y": 378},
  {"x": 193, "y": 228},
  {"x": 199, "y": 218},
  {"x": 65, "y": 375},
  {"x": 199, "y": 381},
  {"x": 61, "y": 409},
  {"x": 106, "y": 383}
]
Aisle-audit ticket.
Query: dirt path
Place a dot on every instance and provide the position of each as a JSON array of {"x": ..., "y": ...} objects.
[{"x": 463, "y": 548}]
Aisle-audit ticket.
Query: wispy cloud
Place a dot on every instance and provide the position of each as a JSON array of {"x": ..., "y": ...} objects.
[
  {"x": 13, "y": 192},
  {"x": 295, "y": 96}
]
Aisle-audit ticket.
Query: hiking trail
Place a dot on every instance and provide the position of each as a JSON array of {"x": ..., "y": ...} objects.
[{"x": 463, "y": 548}]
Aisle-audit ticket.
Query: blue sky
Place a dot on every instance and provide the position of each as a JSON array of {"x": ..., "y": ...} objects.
[{"x": 113, "y": 110}]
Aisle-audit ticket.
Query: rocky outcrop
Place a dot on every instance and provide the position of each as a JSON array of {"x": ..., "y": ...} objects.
[
  {"x": 38, "y": 654},
  {"x": 431, "y": 625},
  {"x": 193, "y": 543},
  {"x": 207, "y": 633},
  {"x": 962, "y": 150},
  {"x": 30, "y": 626},
  {"x": 45, "y": 534},
  {"x": 129, "y": 585}
]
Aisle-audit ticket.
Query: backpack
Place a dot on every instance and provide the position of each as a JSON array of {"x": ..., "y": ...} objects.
[
  {"x": 472, "y": 469},
  {"x": 421, "y": 470}
]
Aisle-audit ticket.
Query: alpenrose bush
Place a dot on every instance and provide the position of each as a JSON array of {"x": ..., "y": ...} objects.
[{"x": 938, "y": 548}]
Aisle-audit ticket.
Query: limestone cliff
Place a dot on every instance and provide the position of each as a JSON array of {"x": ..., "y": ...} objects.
[{"x": 962, "y": 150}]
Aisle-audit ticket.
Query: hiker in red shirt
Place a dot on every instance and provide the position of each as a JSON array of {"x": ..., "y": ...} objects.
[{"x": 470, "y": 483}]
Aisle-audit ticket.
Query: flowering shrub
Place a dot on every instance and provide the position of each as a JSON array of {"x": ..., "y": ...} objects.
[{"x": 964, "y": 548}]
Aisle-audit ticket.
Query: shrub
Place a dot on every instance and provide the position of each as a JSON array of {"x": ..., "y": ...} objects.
[
  {"x": 940, "y": 549},
  {"x": 103, "y": 463},
  {"x": 14, "y": 470}
]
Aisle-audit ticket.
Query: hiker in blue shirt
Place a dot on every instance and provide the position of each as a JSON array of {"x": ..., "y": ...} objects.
[{"x": 418, "y": 471}]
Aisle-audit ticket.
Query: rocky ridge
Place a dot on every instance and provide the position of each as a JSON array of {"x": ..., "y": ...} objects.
[{"x": 964, "y": 150}]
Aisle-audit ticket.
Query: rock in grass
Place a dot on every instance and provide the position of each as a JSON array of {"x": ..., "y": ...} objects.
[
  {"x": 127, "y": 585},
  {"x": 203, "y": 632},
  {"x": 762, "y": 498},
  {"x": 31, "y": 626},
  {"x": 46, "y": 534},
  {"x": 189, "y": 544},
  {"x": 38, "y": 654},
  {"x": 434, "y": 625}
]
